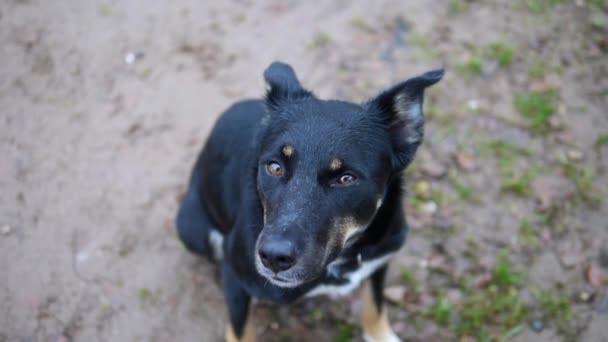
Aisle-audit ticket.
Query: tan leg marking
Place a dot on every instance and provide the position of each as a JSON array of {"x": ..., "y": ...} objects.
[
  {"x": 376, "y": 327},
  {"x": 248, "y": 334}
]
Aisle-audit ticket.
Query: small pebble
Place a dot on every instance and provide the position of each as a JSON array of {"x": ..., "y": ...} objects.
[
  {"x": 537, "y": 325},
  {"x": 6, "y": 229},
  {"x": 575, "y": 155},
  {"x": 130, "y": 58},
  {"x": 585, "y": 296},
  {"x": 473, "y": 104},
  {"x": 422, "y": 188},
  {"x": 433, "y": 169},
  {"x": 394, "y": 294},
  {"x": 555, "y": 123},
  {"x": 429, "y": 207}
]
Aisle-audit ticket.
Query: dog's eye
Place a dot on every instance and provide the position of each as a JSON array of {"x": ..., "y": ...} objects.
[
  {"x": 346, "y": 179},
  {"x": 274, "y": 169}
]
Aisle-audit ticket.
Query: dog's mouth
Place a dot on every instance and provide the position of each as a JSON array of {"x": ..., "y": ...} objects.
[{"x": 274, "y": 278}]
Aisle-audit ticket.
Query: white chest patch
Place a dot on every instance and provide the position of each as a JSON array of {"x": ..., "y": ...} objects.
[{"x": 354, "y": 279}]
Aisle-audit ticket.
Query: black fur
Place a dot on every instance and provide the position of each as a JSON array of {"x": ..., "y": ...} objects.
[{"x": 232, "y": 192}]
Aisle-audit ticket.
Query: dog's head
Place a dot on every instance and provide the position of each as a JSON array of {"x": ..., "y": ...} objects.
[{"x": 324, "y": 167}]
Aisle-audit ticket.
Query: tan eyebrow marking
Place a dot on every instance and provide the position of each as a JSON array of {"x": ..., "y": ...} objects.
[
  {"x": 335, "y": 164},
  {"x": 287, "y": 151}
]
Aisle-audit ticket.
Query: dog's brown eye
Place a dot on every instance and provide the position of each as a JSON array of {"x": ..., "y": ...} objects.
[
  {"x": 274, "y": 169},
  {"x": 346, "y": 179}
]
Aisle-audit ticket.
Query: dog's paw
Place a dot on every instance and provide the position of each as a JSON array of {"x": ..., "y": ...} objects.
[{"x": 388, "y": 336}]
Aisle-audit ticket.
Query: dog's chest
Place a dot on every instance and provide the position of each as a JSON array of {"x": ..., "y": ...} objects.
[{"x": 350, "y": 280}]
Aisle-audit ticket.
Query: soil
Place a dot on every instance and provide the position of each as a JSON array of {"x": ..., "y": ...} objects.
[{"x": 105, "y": 104}]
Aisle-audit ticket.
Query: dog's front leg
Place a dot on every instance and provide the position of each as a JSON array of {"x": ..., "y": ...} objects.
[
  {"x": 238, "y": 301},
  {"x": 374, "y": 318}
]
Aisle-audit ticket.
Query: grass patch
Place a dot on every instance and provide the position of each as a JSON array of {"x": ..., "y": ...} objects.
[
  {"x": 541, "y": 6},
  {"x": 504, "y": 275},
  {"x": 408, "y": 278},
  {"x": 537, "y": 108},
  {"x": 345, "y": 332},
  {"x": 441, "y": 311},
  {"x": 465, "y": 192},
  {"x": 474, "y": 66},
  {"x": 506, "y": 154},
  {"x": 147, "y": 298},
  {"x": 583, "y": 181},
  {"x": 502, "y": 53},
  {"x": 360, "y": 24},
  {"x": 496, "y": 311},
  {"x": 537, "y": 70},
  {"x": 528, "y": 238},
  {"x": 556, "y": 310},
  {"x": 601, "y": 141},
  {"x": 456, "y": 7},
  {"x": 320, "y": 40},
  {"x": 520, "y": 186},
  {"x": 491, "y": 313}
]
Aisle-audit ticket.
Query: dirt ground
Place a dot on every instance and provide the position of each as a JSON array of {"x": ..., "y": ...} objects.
[{"x": 105, "y": 103}]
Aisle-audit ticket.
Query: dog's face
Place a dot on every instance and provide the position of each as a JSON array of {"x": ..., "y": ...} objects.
[{"x": 323, "y": 170}]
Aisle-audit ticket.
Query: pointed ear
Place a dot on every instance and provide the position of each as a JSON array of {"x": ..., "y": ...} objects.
[
  {"x": 282, "y": 84},
  {"x": 401, "y": 109}
]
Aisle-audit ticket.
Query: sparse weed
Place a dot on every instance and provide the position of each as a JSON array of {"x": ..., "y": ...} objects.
[
  {"x": 320, "y": 40},
  {"x": 501, "y": 52},
  {"x": 537, "y": 108}
]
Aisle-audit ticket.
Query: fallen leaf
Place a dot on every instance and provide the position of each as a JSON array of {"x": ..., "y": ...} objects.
[
  {"x": 465, "y": 161},
  {"x": 595, "y": 276},
  {"x": 539, "y": 86},
  {"x": 565, "y": 138},
  {"x": 433, "y": 168}
]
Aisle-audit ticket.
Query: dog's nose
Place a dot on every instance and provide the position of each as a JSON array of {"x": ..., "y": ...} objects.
[{"x": 277, "y": 255}]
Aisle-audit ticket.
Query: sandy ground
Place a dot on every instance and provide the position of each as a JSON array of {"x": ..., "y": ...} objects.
[{"x": 95, "y": 151}]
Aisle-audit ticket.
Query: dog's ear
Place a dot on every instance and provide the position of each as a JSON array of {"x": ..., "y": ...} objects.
[
  {"x": 283, "y": 84},
  {"x": 401, "y": 110}
]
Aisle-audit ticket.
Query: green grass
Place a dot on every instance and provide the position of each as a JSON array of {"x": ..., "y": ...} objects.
[
  {"x": 474, "y": 66},
  {"x": 456, "y": 7},
  {"x": 583, "y": 181},
  {"x": 408, "y": 278},
  {"x": 537, "y": 70},
  {"x": 490, "y": 313},
  {"x": 504, "y": 276},
  {"x": 316, "y": 314},
  {"x": 502, "y": 53},
  {"x": 528, "y": 238},
  {"x": 147, "y": 298},
  {"x": 537, "y": 108},
  {"x": 541, "y": 6},
  {"x": 345, "y": 332},
  {"x": 601, "y": 141},
  {"x": 506, "y": 154},
  {"x": 360, "y": 24},
  {"x": 320, "y": 40},
  {"x": 597, "y": 4},
  {"x": 520, "y": 185},
  {"x": 441, "y": 311},
  {"x": 465, "y": 192},
  {"x": 556, "y": 311},
  {"x": 494, "y": 311}
]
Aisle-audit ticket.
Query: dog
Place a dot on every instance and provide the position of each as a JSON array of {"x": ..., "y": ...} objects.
[{"x": 296, "y": 196}]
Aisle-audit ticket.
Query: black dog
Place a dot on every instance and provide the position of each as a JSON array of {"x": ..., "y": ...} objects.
[{"x": 299, "y": 196}]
